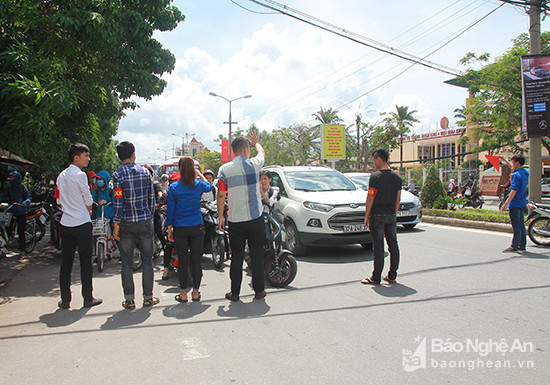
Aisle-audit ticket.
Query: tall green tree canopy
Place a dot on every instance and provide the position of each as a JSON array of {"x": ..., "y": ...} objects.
[
  {"x": 495, "y": 111},
  {"x": 68, "y": 69}
]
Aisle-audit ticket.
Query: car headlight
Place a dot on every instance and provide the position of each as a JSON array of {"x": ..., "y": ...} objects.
[{"x": 318, "y": 206}]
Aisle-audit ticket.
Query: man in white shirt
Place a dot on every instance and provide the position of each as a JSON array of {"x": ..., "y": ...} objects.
[{"x": 74, "y": 198}]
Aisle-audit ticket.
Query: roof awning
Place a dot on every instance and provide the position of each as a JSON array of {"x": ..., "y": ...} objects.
[{"x": 7, "y": 157}]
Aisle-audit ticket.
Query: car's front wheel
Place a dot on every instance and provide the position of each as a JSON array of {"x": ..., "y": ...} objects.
[{"x": 293, "y": 243}]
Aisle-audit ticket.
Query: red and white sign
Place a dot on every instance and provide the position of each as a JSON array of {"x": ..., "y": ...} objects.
[{"x": 444, "y": 123}]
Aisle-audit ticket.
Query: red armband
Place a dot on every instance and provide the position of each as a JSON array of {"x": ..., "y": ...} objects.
[
  {"x": 118, "y": 192},
  {"x": 372, "y": 192},
  {"x": 56, "y": 193}
]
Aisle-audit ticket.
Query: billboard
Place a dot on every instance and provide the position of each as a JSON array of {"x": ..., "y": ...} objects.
[
  {"x": 535, "y": 74},
  {"x": 333, "y": 141}
]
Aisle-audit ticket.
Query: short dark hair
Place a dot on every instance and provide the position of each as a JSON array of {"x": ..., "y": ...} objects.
[
  {"x": 266, "y": 173},
  {"x": 76, "y": 149},
  {"x": 125, "y": 150},
  {"x": 239, "y": 144},
  {"x": 519, "y": 158},
  {"x": 381, "y": 153}
]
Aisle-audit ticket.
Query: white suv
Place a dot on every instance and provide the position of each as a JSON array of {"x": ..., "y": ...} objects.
[{"x": 321, "y": 207}]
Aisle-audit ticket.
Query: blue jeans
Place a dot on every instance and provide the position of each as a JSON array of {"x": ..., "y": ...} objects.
[
  {"x": 519, "y": 241},
  {"x": 384, "y": 225},
  {"x": 140, "y": 235}
]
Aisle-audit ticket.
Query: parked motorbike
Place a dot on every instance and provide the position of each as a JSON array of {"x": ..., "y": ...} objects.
[
  {"x": 104, "y": 242},
  {"x": 503, "y": 196},
  {"x": 280, "y": 264},
  {"x": 8, "y": 226},
  {"x": 539, "y": 228},
  {"x": 215, "y": 242},
  {"x": 38, "y": 213}
]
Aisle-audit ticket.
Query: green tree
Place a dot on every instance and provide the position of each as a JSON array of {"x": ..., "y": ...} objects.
[
  {"x": 210, "y": 160},
  {"x": 495, "y": 111},
  {"x": 328, "y": 116},
  {"x": 403, "y": 120},
  {"x": 68, "y": 69},
  {"x": 432, "y": 188}
]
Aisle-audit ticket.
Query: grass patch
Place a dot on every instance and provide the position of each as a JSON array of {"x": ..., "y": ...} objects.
[{"x": 470, "y": 214}]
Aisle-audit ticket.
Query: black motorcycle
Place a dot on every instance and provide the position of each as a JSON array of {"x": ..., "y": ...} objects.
[
  {"x": 215, "y": 242},
  {"x": 280, "y": 264}
]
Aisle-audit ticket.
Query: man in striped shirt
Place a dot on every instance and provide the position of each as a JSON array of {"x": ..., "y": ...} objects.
[
  {"x": 133, "y": 209},
  {"x": 240, "y": 179}
]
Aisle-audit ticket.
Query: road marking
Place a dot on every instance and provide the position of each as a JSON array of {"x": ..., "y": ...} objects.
[
  {"x": 192, "y": 349},
  {"x": 469, "y": 230}
]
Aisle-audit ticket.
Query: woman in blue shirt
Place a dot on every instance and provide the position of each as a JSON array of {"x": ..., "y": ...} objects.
[{"x": 185, "y": 225}]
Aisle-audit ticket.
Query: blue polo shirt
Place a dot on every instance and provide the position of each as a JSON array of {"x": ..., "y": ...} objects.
[{"x": 520, "y": 178}]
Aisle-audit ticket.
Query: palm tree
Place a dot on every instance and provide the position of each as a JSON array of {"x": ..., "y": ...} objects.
[
  {"x": 403, "y": 119},
  {"x": 328, "y": 116}
]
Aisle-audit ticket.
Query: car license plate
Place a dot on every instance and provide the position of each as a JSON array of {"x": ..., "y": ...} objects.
[
  {"x": 355, "y": 228},
  {"x": 402, "y": 213}
]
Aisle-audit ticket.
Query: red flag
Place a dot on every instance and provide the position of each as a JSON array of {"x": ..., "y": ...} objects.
[
  {"x": 225, "y": 150},
  {"x": 495, "y": 161}
]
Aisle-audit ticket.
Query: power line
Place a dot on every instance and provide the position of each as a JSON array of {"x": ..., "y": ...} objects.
[{"x": 355, "y": 37}]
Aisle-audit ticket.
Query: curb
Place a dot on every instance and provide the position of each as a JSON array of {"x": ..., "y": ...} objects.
[{"x": 501, "y": 227}]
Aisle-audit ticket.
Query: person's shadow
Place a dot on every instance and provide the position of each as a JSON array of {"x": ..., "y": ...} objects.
[
  {"x": 63, "y": 317},
  {"x": 394, "y": 290},
  {"x": 126, "y": 318},
  {"x": 185, "y": 310},
  {"x": 240, "y": 309}
]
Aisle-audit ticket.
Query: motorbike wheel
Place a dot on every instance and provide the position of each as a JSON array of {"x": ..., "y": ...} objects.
[
  {"x": 40, "y": 231},
  {"x": 100, "y": 257},
  {"x": 30, "y": 239},
  {"x": 539, "y": 231},
  {"x": 218, "y": 251},
  {"x": 282, "y": 275},
  {"x": 137, "y": 260}
]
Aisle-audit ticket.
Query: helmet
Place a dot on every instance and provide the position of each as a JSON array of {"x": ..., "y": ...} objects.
[
  {"x": 174, "y": 176},
  {"x": 164, "y": 177},
  {"x": 208, "y": 171},
  {"x": 91, "y": 174},
  {"x": 197, "y": 165}
]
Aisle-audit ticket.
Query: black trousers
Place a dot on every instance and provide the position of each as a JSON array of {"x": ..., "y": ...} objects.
[
  {"x": 73, "y": 237},
  {"x": 189, "y": 242},
  {"x": 239, "y": 233}
]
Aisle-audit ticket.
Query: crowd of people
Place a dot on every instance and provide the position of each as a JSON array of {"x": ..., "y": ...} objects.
[{"x": 135, "y": 204}]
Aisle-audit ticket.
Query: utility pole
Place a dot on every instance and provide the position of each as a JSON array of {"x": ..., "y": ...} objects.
[{"x": 535, "y": 144}]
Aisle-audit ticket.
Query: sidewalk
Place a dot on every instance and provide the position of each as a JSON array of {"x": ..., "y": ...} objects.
[{"x": 11, "y": 265}]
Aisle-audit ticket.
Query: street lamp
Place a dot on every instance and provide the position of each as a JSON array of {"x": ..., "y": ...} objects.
[
  {"x": 182, "y": 141},
  {"x": 230, "y": 101},
  {"x": 160, "y": 149}
]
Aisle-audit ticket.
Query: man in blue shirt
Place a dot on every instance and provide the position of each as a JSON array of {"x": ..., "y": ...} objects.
[
  {"x": 133, "y": 209},
  {"x": 516, "y": 202}
]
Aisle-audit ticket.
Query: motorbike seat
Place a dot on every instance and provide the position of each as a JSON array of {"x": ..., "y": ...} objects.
[{"x": 543, "y": 206}]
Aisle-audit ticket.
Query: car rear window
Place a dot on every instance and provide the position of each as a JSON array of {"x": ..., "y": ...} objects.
[{"x": 319, "y": 180}]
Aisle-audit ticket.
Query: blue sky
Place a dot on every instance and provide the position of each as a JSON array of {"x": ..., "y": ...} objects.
[{"x": 291, "y": 69}]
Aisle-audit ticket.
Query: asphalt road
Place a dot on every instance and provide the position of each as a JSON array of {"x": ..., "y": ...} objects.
[{"x": 460, "y": 310}]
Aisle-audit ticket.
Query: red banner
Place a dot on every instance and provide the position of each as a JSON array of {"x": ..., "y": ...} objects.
[
  {"x": 225, "y": 150},
  {"x": 495, "y": 161}
]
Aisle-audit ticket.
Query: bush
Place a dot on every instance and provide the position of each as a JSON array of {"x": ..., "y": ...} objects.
[
  {"x": 470, "y": 214},
  {"x": 432, "y": 188}
]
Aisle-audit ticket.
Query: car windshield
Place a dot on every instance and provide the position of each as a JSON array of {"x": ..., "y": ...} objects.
[
  {"x": 361, "y": 180},
  {"x": 318, "y": 180}
]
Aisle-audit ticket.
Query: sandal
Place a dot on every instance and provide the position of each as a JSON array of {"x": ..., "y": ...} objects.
[
  {"x": 196, "y": 299},
  {"x": 129, "y": 304},
  {"x": 368, "y": 281},
  {"x": 179, "y": 299},
  {"x": 151, "y": 301},
  {"x": 232, "y": 297},
  {"x": 387, "y": 279}
]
